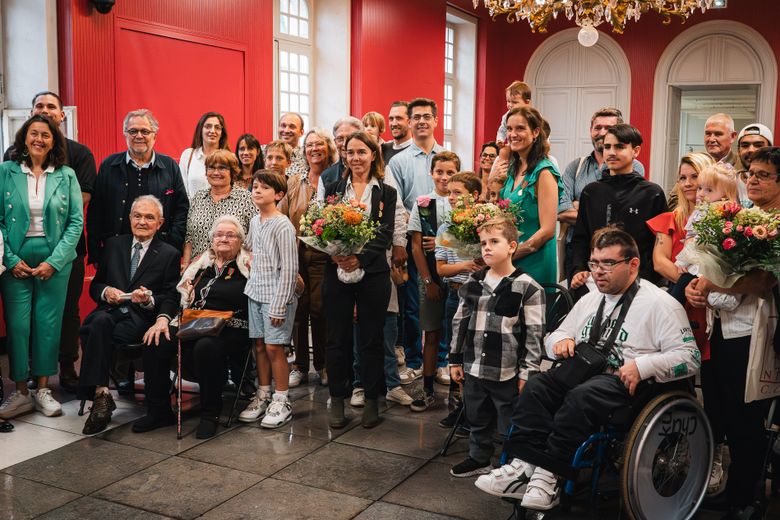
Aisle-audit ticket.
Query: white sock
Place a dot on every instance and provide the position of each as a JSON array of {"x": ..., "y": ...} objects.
[
  {"x": 265, "y": 390},
  {"x": 282, "y": 393}
]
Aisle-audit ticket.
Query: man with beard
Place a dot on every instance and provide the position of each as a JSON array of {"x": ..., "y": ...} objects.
[
  {"x": 750, "y": 139},
  {"x": 398, "y": 120},
  {"x": 584, "y": 170}
]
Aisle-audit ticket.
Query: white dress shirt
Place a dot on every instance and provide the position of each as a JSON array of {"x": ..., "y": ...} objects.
[{"x": 193, "y": 171}]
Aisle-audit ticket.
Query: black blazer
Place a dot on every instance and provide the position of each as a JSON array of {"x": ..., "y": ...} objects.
[
  {"x": 158, "y": 272},
  {"x": 109, "y": 205},
  {"x": 373, "y": 259}
]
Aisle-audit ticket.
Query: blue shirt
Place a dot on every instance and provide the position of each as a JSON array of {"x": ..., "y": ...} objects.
[{"x": 411, "y": 172}]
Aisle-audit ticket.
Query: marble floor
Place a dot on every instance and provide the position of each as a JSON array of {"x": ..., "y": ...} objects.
[{"x": 303, "y": 470}]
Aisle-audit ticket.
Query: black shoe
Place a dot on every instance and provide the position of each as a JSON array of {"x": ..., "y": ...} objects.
[
  {"x": 32, "y": 383},
  {"x": 462, "y": 432},
  {"x": 69, "y": 379},
  {"x": 100, "y": 414},
  {"x": 150, "y": 422},
  {"x": 207, "y": 428},
  {"x": 470, "y": 468},
  {"x": 451, "y": 419}
]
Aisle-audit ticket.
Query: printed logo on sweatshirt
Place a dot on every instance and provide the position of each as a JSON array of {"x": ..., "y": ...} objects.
[{"x": 687, "y": 335}]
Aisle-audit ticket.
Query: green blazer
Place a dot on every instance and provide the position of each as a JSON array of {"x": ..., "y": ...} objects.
[{"x": 63, "y": 213}]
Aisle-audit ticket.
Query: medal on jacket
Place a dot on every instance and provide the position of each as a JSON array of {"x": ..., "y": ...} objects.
[{"x": 231, "y": 270}]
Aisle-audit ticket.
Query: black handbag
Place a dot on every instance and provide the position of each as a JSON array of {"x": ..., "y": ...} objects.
[{"x": 589, "y": 358}]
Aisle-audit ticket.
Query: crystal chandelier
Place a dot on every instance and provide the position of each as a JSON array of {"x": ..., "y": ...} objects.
[{"x": 590, "y": 13}]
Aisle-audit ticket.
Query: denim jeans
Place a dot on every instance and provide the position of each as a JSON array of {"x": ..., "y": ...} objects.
[
  {"x": 411, "y": 312},
  {"x": 450, "y": 307},
  {"x": 392, "y": 379}
]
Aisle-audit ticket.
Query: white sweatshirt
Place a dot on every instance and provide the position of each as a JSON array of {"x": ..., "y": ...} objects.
[{"x": 656, "y": 332}]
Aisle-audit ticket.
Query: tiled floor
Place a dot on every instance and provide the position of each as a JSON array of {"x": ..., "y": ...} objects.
[{"x": 304, "y": 470}]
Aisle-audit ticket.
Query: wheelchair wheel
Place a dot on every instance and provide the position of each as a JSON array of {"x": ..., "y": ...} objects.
[{"x": 667, "y": 459}]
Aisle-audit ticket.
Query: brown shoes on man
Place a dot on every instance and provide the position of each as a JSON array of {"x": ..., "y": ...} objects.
[{"x": 100, "y": 414}]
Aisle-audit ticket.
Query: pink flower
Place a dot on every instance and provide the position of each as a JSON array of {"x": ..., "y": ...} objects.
[
  {"x": 748, "y": 231},
  {"x": 319, "y": 222},
  {"x": 503, "y": 204},
  {"x": 739, "y": 228},
  {"x": 773, "y": 233},
  {"x": 318, "y": 231},
  {"x": 726, "y": 230},
  {"x": 423, "y": 201},
  {"x": 729, "y": 224},
  {"x": 729, "y": 243}
]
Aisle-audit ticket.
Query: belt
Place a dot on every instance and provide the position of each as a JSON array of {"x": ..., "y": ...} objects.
[{"x": 455, "y": 285}]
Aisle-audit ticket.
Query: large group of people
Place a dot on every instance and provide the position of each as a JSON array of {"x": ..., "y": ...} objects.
[{"x": 216, "y": 232}]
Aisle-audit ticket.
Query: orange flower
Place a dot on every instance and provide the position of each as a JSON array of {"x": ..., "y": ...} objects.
[{"x": 352, "y": 217}]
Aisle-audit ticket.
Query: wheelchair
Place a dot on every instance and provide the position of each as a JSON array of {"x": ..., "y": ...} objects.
[{"x": 659, "y": 450}]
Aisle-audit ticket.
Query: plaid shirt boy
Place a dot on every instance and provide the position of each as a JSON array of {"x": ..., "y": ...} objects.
[{"x": 498, "y": 333}]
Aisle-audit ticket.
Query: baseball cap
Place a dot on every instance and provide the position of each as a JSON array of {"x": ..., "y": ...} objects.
[{"x": 756, "y": 129}]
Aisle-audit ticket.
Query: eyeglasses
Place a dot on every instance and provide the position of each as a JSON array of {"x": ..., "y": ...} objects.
[
  {"x": 315, "y": 144},
  {"x": 228, "y": 236},
  {"x": 221, "y": 168},
  {"x": 135, "y": 131},
  {"x": 606, "y": 265},
  {"x": 761, "y": 175},
  {"x": 423, "y": 117},
  {"x": 489, "y": 156}
]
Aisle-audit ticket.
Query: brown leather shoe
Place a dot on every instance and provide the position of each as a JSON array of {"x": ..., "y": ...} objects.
[
  {"x": 99, "y": 414},
  {"x": 69, "y": 379}
]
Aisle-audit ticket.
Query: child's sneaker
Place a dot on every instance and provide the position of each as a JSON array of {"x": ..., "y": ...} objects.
[
  {"x": 296, "y": 378},
  {"x": 469, "y": 468},
  {"x": 424, "y": 402},
  {"x": 46, "y": 404},
  {"x": 279, "y": 412},
  {"x": 398, "y": 395},
  {"x": 257, "y": 407}
]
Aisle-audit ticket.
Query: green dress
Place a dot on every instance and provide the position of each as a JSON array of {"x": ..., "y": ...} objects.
[{"x": 542, "y": 265}]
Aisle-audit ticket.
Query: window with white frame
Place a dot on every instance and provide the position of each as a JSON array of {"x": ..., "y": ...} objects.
[
  {"x": 294, "y": 58},
  {"x": 449, "y": 85}
]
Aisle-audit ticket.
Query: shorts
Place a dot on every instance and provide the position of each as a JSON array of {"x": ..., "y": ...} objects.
[
  {"x": 431, "y": 311},
  {"x": 260, "y": 323}
]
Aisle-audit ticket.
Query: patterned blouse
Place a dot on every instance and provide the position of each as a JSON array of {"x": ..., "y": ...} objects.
[{"x": 204, "y": 211}]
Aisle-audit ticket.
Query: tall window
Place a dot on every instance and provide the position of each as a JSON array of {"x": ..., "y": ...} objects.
[
  {"x": 449, "y": 85},
  {"x": 293, "y": 59}
]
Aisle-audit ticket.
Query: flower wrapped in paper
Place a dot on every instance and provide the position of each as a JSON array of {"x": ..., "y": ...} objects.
[
  {"x": 339, "y": 228},
  {"x": 733, "y": 240},
  {"x": 460, "y": 233}
]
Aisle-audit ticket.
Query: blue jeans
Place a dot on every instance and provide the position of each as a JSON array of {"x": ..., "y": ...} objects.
[
  {"x": 411, "y": 312},
  {"x": 392, "y": 379},
  {"x": 450, "y": 307}
]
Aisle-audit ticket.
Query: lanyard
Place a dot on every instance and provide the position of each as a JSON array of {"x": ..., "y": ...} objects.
[{"x": 599, "y": 322}]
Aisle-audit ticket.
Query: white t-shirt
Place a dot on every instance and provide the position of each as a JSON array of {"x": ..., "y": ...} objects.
[{"x": 656, "y": 332}]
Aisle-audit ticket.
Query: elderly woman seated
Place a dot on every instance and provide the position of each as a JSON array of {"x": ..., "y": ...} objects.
[{"x": 214, "y": 281}]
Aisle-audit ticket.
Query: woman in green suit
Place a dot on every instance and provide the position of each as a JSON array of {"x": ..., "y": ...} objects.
[{"x": 41, "y": 219}]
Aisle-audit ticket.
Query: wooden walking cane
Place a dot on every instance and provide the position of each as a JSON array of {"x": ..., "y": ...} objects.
[{"x": 178, "y": 385}]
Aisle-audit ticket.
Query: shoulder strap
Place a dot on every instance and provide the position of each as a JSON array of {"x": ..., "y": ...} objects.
[
  {"x": 189, "y": 161},
  {"x": 624, "y": 303},
  {"x": 579, "y": 166}
]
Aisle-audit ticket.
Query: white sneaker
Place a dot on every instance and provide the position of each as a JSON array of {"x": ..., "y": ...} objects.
[
  {"x": 400, "y": 355},
  {"x": 543, "y": 491},
  {"x": 398, "y": 395},
  {"x": 443, "y": 376},
  {"x": 296, "y": 378},
  {"x": 17, "y": 404},
  {"x": 46, "y": 404},
  {"x": 508, "y": 481},
  {"x": 716, "y": 472},
  {"x": 279, "y": 412},
  {"x": 358, "y": 398},
  {"x": 409, "y": 375},
  {"x": 257, "y": 407}
]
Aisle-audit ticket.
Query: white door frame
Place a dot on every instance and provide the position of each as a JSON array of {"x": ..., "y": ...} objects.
[{"x": 663, "y": 84}]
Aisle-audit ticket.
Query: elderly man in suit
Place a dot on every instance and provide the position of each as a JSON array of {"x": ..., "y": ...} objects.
[{"x": 134, "y": 284}]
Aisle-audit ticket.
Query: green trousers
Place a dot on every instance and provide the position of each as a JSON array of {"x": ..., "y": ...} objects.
[{"x": 33, "y": 314}]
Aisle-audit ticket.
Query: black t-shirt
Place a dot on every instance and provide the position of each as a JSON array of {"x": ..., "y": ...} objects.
[{"x": 82, "y": 161}]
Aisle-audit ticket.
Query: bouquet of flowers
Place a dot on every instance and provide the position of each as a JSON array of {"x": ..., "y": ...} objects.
[
  {"x": 733, "y": 240},
  {"x": 464, "y": 219},
  {"x": 338, "y": 227}
]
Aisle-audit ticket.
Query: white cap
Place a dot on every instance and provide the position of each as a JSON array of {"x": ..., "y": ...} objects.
[{"x": 756, "y": 129}]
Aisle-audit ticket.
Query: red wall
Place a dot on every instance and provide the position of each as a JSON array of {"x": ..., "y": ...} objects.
[
  {"x": 397, "y": 53},
  {"x": 98, "y": 63}
]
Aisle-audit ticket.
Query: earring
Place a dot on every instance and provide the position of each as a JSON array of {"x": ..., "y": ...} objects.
[{"x": 26, "y": 152}]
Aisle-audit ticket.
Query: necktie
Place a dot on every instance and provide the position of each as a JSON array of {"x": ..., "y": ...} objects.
[{"x": 135, "y": 259}]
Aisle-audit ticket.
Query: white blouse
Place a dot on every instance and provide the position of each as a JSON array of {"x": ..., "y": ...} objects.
[
  {"x": 193, "y": 171},
  {"x": 36, "y": 192}
]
